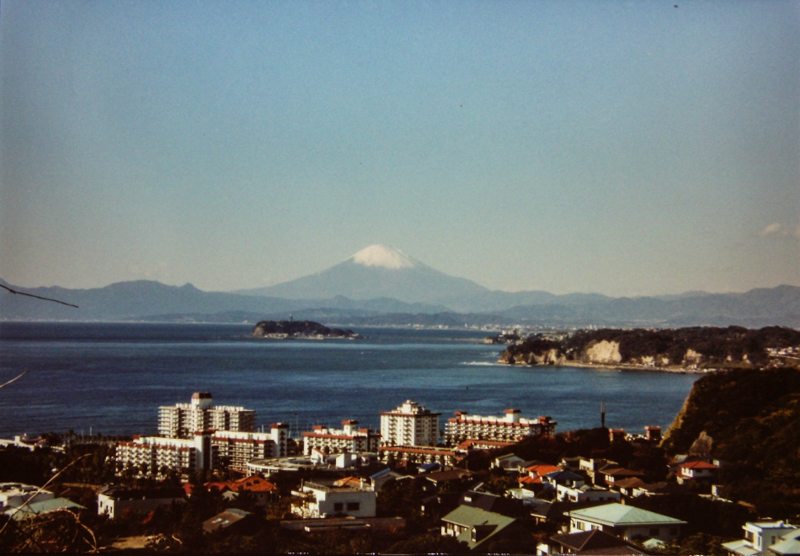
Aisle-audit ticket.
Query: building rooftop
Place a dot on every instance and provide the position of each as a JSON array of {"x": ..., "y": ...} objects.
[
  {"x": 595, "y": 542},
  {"x": 616, "y": 515},
  {"x": 35, "y": 508},
  {"x": 485, "y": 524}
]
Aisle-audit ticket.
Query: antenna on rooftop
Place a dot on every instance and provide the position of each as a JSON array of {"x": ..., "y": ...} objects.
[{"x": 603, "y": 414}]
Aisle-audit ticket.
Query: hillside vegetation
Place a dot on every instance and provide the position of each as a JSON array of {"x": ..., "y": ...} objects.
[
  {"x": 748, "y": 419},
  {"x": 298, "y": 329},
  {"x": 696, "y": 347}
]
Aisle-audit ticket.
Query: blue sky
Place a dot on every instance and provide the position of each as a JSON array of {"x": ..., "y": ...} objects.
[{"x": 626, "y": 148}]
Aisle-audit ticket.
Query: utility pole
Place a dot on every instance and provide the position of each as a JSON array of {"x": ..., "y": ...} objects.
[{"x": 603, "y": 414}]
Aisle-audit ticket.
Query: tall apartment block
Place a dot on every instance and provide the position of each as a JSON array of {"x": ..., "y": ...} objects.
[
  {"x": 203, "y": 450},
  {"x": 410, "y": 425},
  {"x": 184, "y": 419},
  {"x": 350, "y": 438},
  {"x": 199, "y": 435},
  {"x": 508, "y": 428}
]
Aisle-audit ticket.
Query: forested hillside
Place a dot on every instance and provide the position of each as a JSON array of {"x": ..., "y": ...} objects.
[
  {"x": 748, "y": 419},
  {"x": 699, "y": 347}
]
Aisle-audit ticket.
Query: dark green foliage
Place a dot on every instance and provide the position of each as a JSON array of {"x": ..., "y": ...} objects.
[
  {"x": 401, "y": 498},
  {"x": 298, "y": 328},
  {"x": 752, "y": 417},
  {"x": 702, "y": 543},
  {"x": 429, "y": 543},
  {"x": 26, "y": 466},
  {"x": 84, "y": 463},
  {"x": 722, "y": 519},
  {"x": 533, "y": 344},
  {"x": 720, "y": 347}
]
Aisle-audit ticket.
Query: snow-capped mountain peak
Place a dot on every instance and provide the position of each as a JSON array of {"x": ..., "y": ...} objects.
[{"x": 383, "y": 256}]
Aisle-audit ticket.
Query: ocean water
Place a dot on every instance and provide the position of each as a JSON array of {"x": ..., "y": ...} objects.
[{"x": 111, "y": 378}]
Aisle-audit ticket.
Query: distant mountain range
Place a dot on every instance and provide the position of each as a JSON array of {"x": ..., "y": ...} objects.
[{"x": 383, "y": 286}]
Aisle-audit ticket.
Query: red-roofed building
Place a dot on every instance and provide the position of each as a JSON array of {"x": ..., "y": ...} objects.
[
  {"x": 610, "y": 475},
  {"x": 475, "y": 444},
  {"x": 509, "y": 428},
  {"x": 349, "y": 439},
  {"x": 262, "y": 490},
  {"x": 540, "y": 470},
  {"x": 696, "y": 471},
  {"x": 419, "y": 454}
]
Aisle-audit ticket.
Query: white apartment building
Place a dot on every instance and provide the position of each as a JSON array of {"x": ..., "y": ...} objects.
[
  {"x": 508, "y": 428},
  {"x": 184, "y": 419},
  {"x": 147, "y": 455},
  {"x": 410, "y": 425},
  {"x": 205, "y": 450},
  {"x": 349, "y": 439}
]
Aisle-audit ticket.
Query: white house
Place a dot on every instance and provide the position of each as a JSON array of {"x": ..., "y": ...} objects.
[
  {"x": 318, "y": 501},
  {"x": 585, "y": 493},
  {"x": 509, "y": 462},
  {"x": 113, "y": 501},
  {"x": 760, "y": 537},
  {"x": 696, "y": 471}
]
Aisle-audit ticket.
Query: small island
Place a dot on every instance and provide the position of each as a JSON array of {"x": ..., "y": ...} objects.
[{"x": 300, "y": 330}]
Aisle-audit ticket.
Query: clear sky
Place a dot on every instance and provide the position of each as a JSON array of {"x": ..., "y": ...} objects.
[{"x": 625, "y": 148}]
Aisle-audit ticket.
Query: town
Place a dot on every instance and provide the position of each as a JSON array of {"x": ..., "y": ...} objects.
[{"x": 506, "y": 483}]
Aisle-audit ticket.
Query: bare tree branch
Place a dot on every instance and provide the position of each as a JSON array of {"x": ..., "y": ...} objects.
[
  {"x": 41, "y": 489},
  {"x": 13, "y": 379},
  {"x": 38, "y": 297}
]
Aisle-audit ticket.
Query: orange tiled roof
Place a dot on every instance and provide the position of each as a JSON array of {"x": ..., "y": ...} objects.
[
  {"x": 698, "y": 465},
  {"x": 542, "y": 469}
]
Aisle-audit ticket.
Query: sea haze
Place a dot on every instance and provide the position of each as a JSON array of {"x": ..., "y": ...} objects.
[{"x": 113, "y": 377}]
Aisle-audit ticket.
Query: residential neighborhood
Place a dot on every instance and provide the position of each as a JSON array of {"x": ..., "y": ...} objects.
[{"x": 478, "y": 484}]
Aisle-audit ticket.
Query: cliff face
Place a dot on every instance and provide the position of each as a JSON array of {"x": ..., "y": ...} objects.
[
  {"x": 686, "y": 348},
  {"x": 602, "y": 353}
]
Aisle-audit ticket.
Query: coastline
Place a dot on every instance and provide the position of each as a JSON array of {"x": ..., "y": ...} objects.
[{"x": 614, "y": 367}]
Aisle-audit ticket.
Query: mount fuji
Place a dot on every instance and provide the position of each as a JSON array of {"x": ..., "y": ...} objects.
[
  {"x": 381, "y": 285},
  {"x": 378, "y": 271}
]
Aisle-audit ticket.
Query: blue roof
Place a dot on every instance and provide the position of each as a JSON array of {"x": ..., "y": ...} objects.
[
  {"x": 380, "y": 473},
  {"x": 429, "y": 466}
]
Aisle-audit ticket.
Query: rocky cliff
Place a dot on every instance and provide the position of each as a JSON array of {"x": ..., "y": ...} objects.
[{"x": 684, "y": 348}]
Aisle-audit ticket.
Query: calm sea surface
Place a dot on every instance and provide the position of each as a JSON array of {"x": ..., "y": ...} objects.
[{"x": 113, "y": 377}]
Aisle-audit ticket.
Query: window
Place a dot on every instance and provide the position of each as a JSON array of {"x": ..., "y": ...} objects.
[
  {"x": 337, "y": 507},
  {"x": 353, "y": 506}
]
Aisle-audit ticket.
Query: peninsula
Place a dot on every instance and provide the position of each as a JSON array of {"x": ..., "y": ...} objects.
[
  {"x": 300, "y": 330},
  {"x": 695, "y": 349}
]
